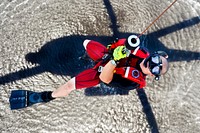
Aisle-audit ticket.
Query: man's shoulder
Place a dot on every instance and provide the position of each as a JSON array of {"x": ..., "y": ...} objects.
[{"x": 121, "y": 41}]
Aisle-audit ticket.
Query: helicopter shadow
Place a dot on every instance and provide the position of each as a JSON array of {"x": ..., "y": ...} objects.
[{"x": 62, "y": 56}]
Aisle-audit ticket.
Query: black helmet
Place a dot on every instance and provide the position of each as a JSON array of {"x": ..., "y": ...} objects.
[{"x": 132, "y": 42}]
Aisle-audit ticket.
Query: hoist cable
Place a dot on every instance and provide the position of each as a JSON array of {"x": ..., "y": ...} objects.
[{"x": 156, "y": 19}]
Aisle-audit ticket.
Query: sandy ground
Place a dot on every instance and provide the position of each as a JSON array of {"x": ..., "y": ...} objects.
[{"x": 40, "y": 46}]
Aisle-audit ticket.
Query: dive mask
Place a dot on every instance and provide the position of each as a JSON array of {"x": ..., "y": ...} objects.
[{"x": 154, "y": 63}]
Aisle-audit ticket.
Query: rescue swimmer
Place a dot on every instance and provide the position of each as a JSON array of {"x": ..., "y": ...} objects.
[{"x": 124, "y": 64}]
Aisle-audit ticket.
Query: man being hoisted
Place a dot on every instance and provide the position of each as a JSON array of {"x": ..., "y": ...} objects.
[{"x": 123, "y": 64}]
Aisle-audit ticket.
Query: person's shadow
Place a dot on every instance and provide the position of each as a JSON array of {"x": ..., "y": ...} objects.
[{"x": 62, "y": 56}]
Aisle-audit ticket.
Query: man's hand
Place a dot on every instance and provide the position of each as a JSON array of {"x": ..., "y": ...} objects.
[{"x": 119, "y": 53}]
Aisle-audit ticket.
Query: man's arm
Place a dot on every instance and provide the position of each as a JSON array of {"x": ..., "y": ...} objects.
[{"x": 106, "y": 75}]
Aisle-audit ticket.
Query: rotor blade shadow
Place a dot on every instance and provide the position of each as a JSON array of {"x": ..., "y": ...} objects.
[
  {"x": 182, "y": 55},
  {"x": 21, "y": 74},
  {"x": 176, "y": 27},
  {"x": 147, "y": 110},
  {"x": 113, "y": 18},
  {"x": 152, "y": 43}
]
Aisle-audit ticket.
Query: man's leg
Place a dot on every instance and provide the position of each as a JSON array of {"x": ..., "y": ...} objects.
[
  {"x": 85, "y": 79},
  {"x": 25, "y": 98},
  {"x": 95, "y": 50},
  {"x": 65, "y": 89}
]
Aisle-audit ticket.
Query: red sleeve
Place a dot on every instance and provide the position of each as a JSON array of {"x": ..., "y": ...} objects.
[{"x": 120, "y": 42}]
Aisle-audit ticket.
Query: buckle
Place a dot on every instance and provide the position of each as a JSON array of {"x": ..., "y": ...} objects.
[
  {"x": 105, "y": 56},
  {"x": 100, "y": 69}
]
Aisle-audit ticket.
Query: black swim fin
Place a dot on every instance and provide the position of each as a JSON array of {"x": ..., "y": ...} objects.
[{"x": 24, "y": 98}]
